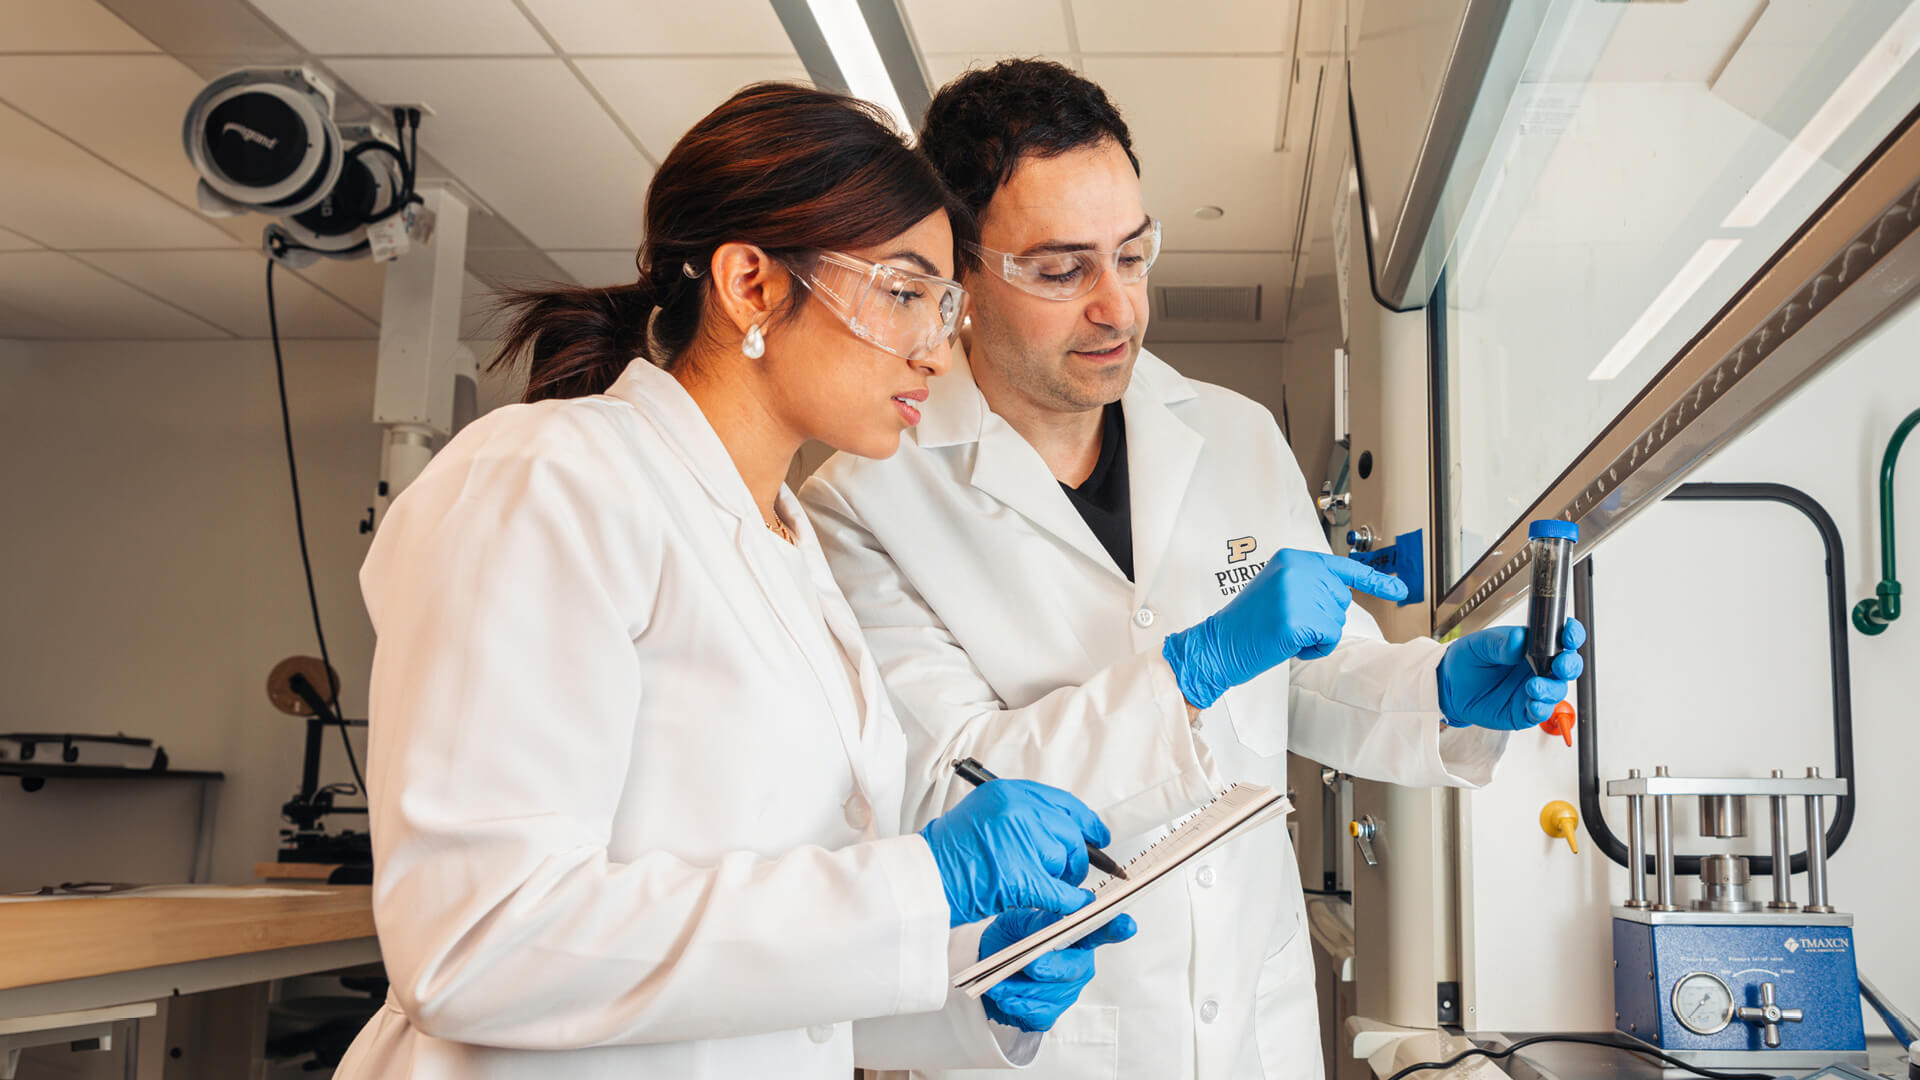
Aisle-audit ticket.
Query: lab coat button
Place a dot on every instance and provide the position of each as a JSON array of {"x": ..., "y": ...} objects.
[
  {"x": 859, "y": 814},
  {"x": 1143, "y": 618},
  {"x": 820, "y": 1033},
  {"x": 1209, "y": 1011},
  {"x": 1205, "y": 877}
]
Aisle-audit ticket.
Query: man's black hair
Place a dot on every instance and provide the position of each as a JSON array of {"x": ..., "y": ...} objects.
[{"x": 981, "y": 124}]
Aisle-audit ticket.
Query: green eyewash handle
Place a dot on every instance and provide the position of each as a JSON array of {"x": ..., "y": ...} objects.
[{"x": 1871, "y": 616}]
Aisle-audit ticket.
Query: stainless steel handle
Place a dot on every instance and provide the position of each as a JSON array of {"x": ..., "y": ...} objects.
[
  {"x": 1769, "y": 1016},
  {"x": 1363, "y": 833}
]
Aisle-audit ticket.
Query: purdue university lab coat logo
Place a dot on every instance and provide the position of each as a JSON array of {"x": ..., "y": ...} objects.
[{"x": 1239, "y": 571}]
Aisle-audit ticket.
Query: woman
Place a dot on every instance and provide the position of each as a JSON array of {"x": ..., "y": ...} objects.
[{"x": 635, "y": 784}]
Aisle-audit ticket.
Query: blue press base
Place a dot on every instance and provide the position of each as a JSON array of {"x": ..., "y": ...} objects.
[{"x": 1816, "y": 973}]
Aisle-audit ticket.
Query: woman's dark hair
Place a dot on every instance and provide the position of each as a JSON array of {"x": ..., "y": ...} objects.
[
  {"x": 981, "y": 124},
  {"x": 790, "y": 169}
]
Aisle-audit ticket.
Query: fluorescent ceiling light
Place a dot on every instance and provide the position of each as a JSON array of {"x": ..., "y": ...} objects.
[
  {"x": 854, "y": 50},
  {"x": 1849, "y": 100},
  {"x": 1664, "y": 307}
]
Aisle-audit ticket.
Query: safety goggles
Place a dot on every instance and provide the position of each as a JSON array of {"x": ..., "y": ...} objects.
[
  {"x": 905, "y": 313},
  {"x": 1069, "y": 275}
]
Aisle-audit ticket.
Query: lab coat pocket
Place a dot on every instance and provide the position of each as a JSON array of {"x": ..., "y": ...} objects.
[
  {"x": 1257, "y": 723},
  {"x": 1083, "y": 1045},
  {"x": 1286, "y": 1014}
]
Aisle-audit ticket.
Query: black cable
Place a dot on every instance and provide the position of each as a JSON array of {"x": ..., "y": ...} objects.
[
  {"x": 1590, "y": 1040},
  {"x": 300, "y": 526},
  {"x": 1344, "y": 894}
]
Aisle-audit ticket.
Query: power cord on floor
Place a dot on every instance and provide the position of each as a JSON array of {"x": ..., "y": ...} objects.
[
  {"x": 1590, "y": 1040},
  {"x": 300, "y": 526}
]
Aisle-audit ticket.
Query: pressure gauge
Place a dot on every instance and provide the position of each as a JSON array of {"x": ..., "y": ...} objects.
[{"x": 1702, "y": 1003}]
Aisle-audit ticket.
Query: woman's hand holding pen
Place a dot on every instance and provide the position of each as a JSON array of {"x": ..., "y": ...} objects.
[{"x": 1014, "y": 844}]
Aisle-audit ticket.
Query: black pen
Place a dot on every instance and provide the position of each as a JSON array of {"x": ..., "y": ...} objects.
[{"x": 976, "y": 774}]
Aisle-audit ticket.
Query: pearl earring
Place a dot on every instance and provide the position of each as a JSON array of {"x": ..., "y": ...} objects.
[{"x": 754, "y": 345}]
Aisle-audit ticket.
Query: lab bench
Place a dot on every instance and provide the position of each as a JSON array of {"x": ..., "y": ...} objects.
[
  {"x": 1578, "y": 1061},
  {"x": 86, "y": 967}
]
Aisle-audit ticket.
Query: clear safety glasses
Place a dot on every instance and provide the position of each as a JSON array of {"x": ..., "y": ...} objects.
[
  {"x": 905, "y": 313},
  {"x": 1069, "y": 275}
]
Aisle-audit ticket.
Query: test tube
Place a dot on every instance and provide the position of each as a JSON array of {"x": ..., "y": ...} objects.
[{"x": 1550, "y": 543}]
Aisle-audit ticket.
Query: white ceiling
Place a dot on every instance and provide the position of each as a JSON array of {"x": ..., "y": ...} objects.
[{"x": 555, "y": 112}]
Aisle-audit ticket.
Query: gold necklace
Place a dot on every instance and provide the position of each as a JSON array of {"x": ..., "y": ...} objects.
[{"x": 779, "y": 529}]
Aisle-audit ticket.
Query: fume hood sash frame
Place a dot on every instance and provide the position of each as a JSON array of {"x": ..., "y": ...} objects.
[{"x": 1854, "y": 262}]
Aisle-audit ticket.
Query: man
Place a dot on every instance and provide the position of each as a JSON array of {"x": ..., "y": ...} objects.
[{"x": 1087, "y": 570}]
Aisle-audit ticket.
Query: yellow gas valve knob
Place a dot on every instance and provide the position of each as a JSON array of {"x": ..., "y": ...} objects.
[{"x": 1560, "y": 819}]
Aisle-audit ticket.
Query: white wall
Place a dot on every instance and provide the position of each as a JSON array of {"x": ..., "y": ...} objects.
[
  {"x": 1713, "y": 660},
  {"x": 1250, "y": 367},
  {"x": 1308, "y": 364},
  {"x": 153, "y": 579},
  {"x": 1298, "y": 372}
]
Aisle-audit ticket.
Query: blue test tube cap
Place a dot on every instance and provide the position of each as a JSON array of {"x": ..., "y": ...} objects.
[{"x": 1553, "y": 529}]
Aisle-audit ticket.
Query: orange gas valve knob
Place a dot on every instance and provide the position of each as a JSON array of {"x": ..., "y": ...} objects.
[{"x": 1561, "y": 722}]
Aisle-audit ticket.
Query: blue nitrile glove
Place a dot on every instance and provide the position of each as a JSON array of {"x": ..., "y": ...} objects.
[
  {"x": 1014, "y": 844},
  {"x": 1485, "y": 681},
  {"x": 1034, "y": 998},
  {"x": 1296, "y": 606}
]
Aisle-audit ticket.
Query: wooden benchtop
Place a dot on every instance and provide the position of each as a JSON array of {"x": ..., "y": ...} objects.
[{"x": 47, "y": 941}]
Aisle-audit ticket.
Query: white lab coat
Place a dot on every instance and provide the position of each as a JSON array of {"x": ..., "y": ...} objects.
[
  {"x": 635, "y": 787},
  {"x": 1006, "y": 632}
]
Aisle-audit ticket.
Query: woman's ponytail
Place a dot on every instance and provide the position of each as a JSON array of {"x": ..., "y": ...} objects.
[
  {"x": 577, "y": 340},
  {"x": 789, "y": 169}
]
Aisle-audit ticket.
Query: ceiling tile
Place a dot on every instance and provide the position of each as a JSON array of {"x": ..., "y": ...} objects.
[
  {"x": 13, "y": 241},
  {"x": 358, "y": 283},
  {"x": 528, "y": 138},
  {"x": 943, "y": 68},
  {"x": 208, "y": 28},
  {"x": 484, "y": 228},
  {"x": 486, "y": 231},
  {"x": 227, "y": 288},
  {"x": 1273, "y": 273},
  {"x": 661, "y": 98},
  {"x": 125, "y": 109},
  {"x": 1155, "y": 26},
  {"x": 19, "y": 323},
  {"x": 67, "y": 26},
  {"x": 989, "y": 27},
  {"x": 589, "y": 27},
  {"x": 58, "y": 194},
  {"x": 65, "y": 292},
  {"x": 598, "y": 267},
  {"x": 1194, "y": 153},
  {"x": 412, "y": 28},
  {"x": 361, "y": 283},
  {"x": 523, "y": 267}
]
